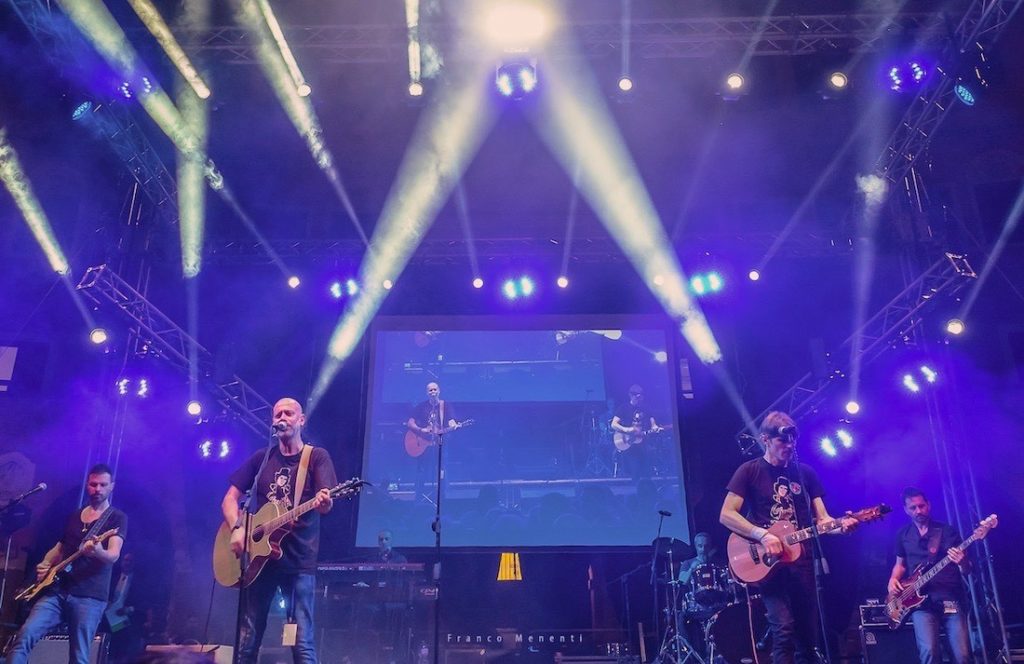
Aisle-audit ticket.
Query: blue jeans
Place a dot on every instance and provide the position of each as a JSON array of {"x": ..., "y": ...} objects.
[
  {"x": 298, "y": 591},
  {"x": 83, "y": 615},
  {"x": 791, "y": 606},
  {"x": 926, "y": 632}
]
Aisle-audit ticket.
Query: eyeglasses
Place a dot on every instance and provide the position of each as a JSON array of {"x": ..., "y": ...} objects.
[{"x": 636, "y": 394}]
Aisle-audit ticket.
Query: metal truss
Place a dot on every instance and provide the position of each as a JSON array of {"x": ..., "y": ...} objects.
[
  {"x": 893, "y": 325},
  {"x": 981, "y": 26},
  {"x": 164, "y": 339},
  {"x": 63, "y": 44},
  {"x": 654, "y": 39}
]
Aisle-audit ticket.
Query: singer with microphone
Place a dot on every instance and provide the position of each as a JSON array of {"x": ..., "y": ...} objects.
[
  {"x": 79, "y": 595},
  {"x": 274, "y": 475},
  {"x": 771, "y": 488}
]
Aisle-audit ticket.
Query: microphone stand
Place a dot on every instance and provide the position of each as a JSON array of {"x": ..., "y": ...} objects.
[
  {"x": 819, "y": 557},
  {"x": 654, "y": 585},
  {"x": 436, "y": 526},
  {"x": 244, "y": 516}
]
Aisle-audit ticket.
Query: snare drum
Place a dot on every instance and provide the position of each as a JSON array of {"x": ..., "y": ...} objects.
[
  {"x": 710, "y": 584},
  {"x": 730, "y": 637}
]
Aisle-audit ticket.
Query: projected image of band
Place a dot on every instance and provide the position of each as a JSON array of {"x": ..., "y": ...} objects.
[{"x": 553, "y": 434}]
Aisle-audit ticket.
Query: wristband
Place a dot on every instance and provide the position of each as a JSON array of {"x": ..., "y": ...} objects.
[{"x": 759, "y": 533}]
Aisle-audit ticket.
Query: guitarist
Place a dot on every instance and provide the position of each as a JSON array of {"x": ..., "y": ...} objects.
[
  {"x": 925, "y": 540},
  {"x": 633, "y": 421},
  {"x": 770, "y": 489},
  {"x": 80, "y": 596},
  {"x": 427, "y": 418},
  {"x": 294, "y": 573}
]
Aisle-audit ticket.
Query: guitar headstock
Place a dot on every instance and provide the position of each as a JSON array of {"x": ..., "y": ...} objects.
[
  {"x": 987, "y": 524},
  {"x": 107, "y": 535},
  {"x": 872, "y": 513},
  {"x": 348, "y": 488}
]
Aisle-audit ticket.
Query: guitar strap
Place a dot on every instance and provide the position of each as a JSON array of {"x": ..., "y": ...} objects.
[
  {"x": 300, "y": 480},
  {"x": 97, "y": 525}
]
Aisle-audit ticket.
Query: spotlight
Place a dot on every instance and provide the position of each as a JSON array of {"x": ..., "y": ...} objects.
[
  {"x": 225, "y": 449},
  {"x": 126, "y": 90},
  {"x": 387, "y": 284},
  {"x": 660, "y": 356},
  {"x": 122, "y": 386},
  {"x": 929, "y": 374},
  {"x": 81, "y": 111},
  {"x": 955, "y": 326},
  {"x": 911, "y": 384},
  {"x": 206, "y": 449},
  {"x": 838, "y": 80},
  {"x": 625, "y": 84},
  {"x": 513, "y": 25},
  {"x": 734, "y": 82},
  {"x": 143, "y": 389},
  {"x": 905, "y": 75},
  {"x": 415, "y": 89},
  {"x": 845, "y": 438},
  {"x": 293, "y": 282},
  {"x": 525, "y": 286},
  {"x": 352, "y": 287},
  {"x": 828, "y": 447},
  {"x": 194, "y": 408},
  {"x": 658, "y": 280},
  {"x": 852, "y": 407},
  {"x": 478, "y": 283},
  {"x": 98, "y": 336},
  {"x": 303, "y": 90},
  {"x": 509, "y": 290},
  {"x": 714, "y": 281},
  {"x": 753, "y": 275},
  {"x": 698, "y": 285},
  {"x": 516, "y": 79},
  {"x": 964, "y": 94},
  {"x": 335, "y": 290},
  {"x": 563, "y": 282}
]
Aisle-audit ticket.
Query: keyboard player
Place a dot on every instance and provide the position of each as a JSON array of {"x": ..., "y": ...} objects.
[{"x": 385, "y": 551}]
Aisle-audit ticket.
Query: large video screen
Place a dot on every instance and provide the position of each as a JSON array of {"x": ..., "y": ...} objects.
[{"x": 549, "y": 431}]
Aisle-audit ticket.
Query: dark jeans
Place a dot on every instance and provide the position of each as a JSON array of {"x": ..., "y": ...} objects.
[
  {"x": 297, "y": 588},
  {"x": 791, "y": 606},
  {"x": 83, "y": 615},
  {"x": 926, "y": 633}
]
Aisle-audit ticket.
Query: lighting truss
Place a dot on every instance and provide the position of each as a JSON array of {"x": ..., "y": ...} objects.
[
  {"x": 166, "y": 340},
  {"x": 891, "y": 326},
  {"x": 654, "y": 39}
]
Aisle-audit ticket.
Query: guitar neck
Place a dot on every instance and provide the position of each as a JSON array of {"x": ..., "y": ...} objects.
[
  {"x": 941, "y": 565},
  {"x": 289, "y": 516},
  {"x": 807, "y": 533}
]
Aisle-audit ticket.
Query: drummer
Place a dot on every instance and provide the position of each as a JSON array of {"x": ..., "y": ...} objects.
[{"x": 706, "y": 553}]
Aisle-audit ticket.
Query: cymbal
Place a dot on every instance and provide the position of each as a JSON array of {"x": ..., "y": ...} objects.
[{"x": 679, "y": 549}]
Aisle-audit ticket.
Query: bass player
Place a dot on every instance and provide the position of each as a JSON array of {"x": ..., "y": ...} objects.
[
  {"x": 294, "y": 572},
  {"x": 925, "y": 540},
  {"x": 771, "y": 489}
]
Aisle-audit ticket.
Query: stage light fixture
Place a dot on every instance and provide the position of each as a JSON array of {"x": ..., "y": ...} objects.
[
  {"x": 698, "y": 285},
  {"x": 205, "y": 449},
  {"x": 754, "y": 275},
  {"x": 563, "y": 282},
  {"x": 293, "y": 282},
  {"x": 838, "y": 80},
  {"x": 303, "y": 90},
  {"x": 351, "y": 287},
  {"x": 660, "y": 356},
  {"x": 509, "y": 289},
  {"x": 98, "y": 336},
  {"x": 81, "y": 111},
  {"x": 930, "y": 375},
  {"x": 478, "y": 283},
  {"x": 734, "y": 82},
  {"x": 828, "y": 447},
  {"x": 852, "y": 407},
  {"x": 905, "y": 75},
  {"x": 225, "y": 449},
  {"x": 526, "y": 286},
  {"x": 658, "y": 280},
  {"x": 336, "y": 291},
  {"x": 625, "y": 83},
  {"x": 845, "y": 438},
  {"x": 122, "y": 387},
  {"x": 515, "y": 25},
  {"x": 142, "y": 390},
  {"x": 955, "y": 326},
  {"x": 964, "y": 94},
  {"x": 516, "y": 79},
  {"x": 415, "y": 89},
  {"x": 387, "y": 284},
  {"x": 714, "y": 281},
  {"x": 194, "y": 408},
  {"x": 910, "y": 384}
]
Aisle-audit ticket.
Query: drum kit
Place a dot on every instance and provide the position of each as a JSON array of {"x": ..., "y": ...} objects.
[{"x": 708, "y": 619}]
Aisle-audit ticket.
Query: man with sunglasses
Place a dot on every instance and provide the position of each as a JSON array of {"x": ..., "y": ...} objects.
[{"x": 773, "y": 488}]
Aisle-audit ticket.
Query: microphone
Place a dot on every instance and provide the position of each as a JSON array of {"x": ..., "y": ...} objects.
[
  {"x": 785, "y": 431},
  {"x": 36, "y": 489},
  {"x": 664, "y": 513},
  {"x": 278, "y": 427}
]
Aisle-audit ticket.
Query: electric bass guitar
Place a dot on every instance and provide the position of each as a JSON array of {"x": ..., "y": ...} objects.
[
  {"x": 416, "y": 443},
  {"x": 624, "y": 441},
  {"x": 57, "y": 570},
  {"x": 750, "y": 562},
  {"x": 265, "y": 530},
  {"x": 898, "y": 605}
]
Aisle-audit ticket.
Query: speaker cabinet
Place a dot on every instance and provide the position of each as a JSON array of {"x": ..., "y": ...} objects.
[
  {"x": 54, "y": 650},
  {"x": 882, "y": 645}
]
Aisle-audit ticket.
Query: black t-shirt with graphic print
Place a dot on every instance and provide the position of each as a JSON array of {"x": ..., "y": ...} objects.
[
  {"x": 276, "y": 483},
  {"x": 426, "y": 414},
  {"x": 774, "y": 493},
  {"x": 89, "y": 577}
]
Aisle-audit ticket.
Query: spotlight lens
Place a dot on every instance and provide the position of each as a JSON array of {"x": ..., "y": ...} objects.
[
  {"x": 698, "y": 285},
  {"x": 293, "y": 282},
  {"x": 509, "y": 290},
  {"x": 336, "y": 291},
  {"x": 955, "y": 326},
  {"x": 658, "y": 280},
  {"x": 478, "y": 283},
  {"x": 98, "y": 336},
  {"x": 838, "y": 80},
  {"x": 516, "y": 24},
  {"x": 715, "y": 282},
  {"x": 852, "y": 407},
  {"x": 194, "y": 407},
  {"x": 81, "y": 110},
  {"x": 625, "y": 84},
  {"x": 387, "y": 284},
  {"x": 754, "y": 275},
  {"x": 563, "y": 282},
  {"x": 828, "y": 447},
  {"x": 526, "y": 286},
  {"x": 415, "y": 89},
  {"x": 351, "y": 287},
  {"x": 660, "y": 356},
  {"x": 734, "y": 81},
  {"x": 303, "y": 90}
]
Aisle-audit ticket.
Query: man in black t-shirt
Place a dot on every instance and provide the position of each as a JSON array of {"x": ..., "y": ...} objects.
[
  {"x": 631, "y": 424},
  {"x": 429, "y": 418},
  {"x": 80, "y": 596},
  {"x": 295, "y": 571},
  {"x": 385, "y": 549},
  {"x": 925, "y": 541},
  {"x": 772, "y": 489}
]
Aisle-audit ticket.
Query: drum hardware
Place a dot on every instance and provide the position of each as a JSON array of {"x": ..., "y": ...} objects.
[{"x": 675, "y": 648}]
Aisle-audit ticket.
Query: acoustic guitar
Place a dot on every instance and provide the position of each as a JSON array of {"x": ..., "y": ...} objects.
[
  {"x": 416, "y": 443},
  {"x": 750, "y": 562},
  {"x": 58, "y": 570},
  {"x": 624, "y": 441},
  {"x": 898, "y": 605},
  {"x": 265, "y": 530}
]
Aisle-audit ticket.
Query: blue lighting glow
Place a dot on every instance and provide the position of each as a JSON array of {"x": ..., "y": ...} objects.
[
  {"x": 929, "y": 374},
  {"x": 828, "y": 447},
  {"x": 698, "y": 285},
  {"x": 510, "y": 290},
  {"x": 911, "y": 384},
  {"x": 526, "y": 286},
  {"x": 516, "y": 79},
  {"x": 336, "y": 291},
  {"x": 81, "y": 110},
  {"x": 845, "y": 438},
  {"x": 964, "y": 94},
  {"x": 351, "y": 287},
  {"x": 715, "y": 282}
]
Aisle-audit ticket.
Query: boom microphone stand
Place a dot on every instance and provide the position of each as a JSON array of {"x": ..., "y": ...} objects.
[
  {"x": 819, "y": 557},
  {"x": 437, "y": 549}
]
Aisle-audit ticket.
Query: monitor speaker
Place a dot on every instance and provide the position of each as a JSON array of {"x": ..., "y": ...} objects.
[{"x": 54, "y": 650}]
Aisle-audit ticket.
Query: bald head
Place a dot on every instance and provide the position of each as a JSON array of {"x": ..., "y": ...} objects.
[{"x": 288, "y": 419}]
